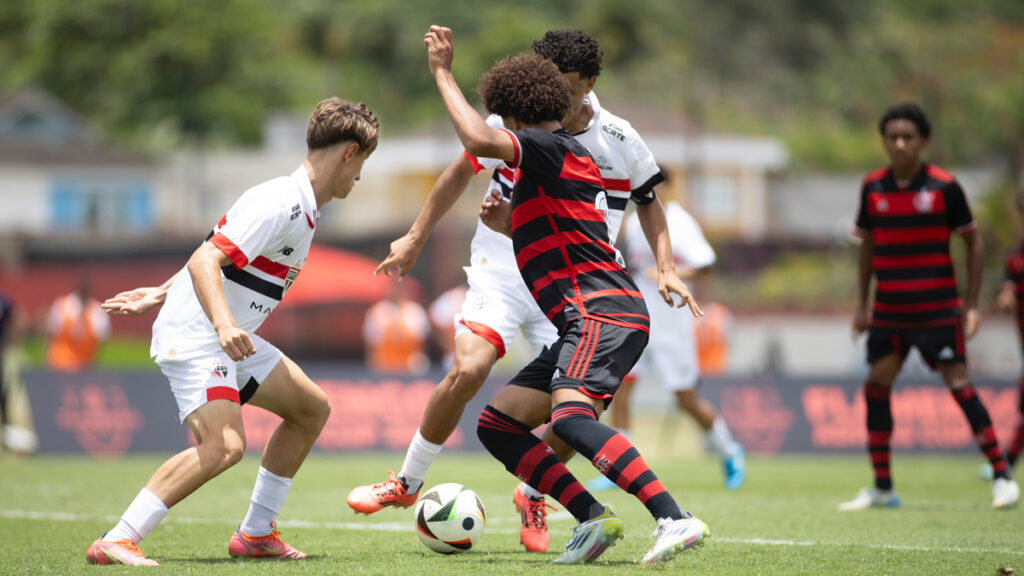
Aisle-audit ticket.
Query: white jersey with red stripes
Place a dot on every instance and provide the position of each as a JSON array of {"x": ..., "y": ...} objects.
[
  {"x": 267, "y": 234},
  {"x": 625, "y": 162}
]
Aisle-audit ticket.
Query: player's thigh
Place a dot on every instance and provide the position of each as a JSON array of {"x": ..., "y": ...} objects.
[
  {"x": 218, "y": 422},
  {"x": 474, "y": 354},
  {"x": 288, "y": 392},
  {"x": 529, "y": 406}
]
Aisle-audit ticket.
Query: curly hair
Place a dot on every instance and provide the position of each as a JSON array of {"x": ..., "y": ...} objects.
[
  {"x": 907, "y": 111},
  {"x": 335, "y": 120},
  {"x": 527, "y": 87},
  {"x": 572, "y": 51}
]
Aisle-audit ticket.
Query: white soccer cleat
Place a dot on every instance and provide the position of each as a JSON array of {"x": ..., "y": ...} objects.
[
  {"x": 591, "y": 538},
  {"x": 872, "y": 498},
  {"x": 674, "y": 536},
  {"x": 1005, "y": 493}
]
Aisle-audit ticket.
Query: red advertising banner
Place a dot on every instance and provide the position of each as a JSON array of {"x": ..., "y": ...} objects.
[{"x": 109, "y": 414}]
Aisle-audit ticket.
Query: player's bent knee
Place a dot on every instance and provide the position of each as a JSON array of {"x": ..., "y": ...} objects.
[{"x": 467, "y": 382}]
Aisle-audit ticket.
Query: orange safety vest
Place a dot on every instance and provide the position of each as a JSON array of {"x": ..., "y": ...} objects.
[
  {"x": 712, "y": 334},
  {"x": 395, "y": 335},
  {"x": 76, "y": 331}
]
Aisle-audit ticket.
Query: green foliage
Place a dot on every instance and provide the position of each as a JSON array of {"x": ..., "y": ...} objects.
[{"x": 818, "y": 74}]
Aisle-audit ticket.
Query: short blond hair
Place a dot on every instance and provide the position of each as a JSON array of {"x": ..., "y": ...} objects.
[{"x": 335, "y": 120}]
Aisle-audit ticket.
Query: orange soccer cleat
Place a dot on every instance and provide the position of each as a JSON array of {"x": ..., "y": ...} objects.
[
  {"x": 117, "y": 552},
  {"x": 270, "y": 546},
  {"x": 371, "y": 498},
  {"x": 533, "y": 534}
]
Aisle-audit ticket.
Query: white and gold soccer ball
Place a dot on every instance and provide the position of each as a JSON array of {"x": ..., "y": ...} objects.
[{"x": 449, "y": 518}]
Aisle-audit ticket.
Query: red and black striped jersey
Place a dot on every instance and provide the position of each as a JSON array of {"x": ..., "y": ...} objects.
[
  {"x": 1015, "y": 277},
  {"x": 911, "y": 225},
  {"x": 560, "y": 234}
]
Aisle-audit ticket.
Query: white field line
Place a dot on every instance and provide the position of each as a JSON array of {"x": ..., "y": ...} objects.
[{"x": 509, "y": 520}]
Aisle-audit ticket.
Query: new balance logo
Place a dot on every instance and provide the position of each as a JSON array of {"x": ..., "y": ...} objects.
[{"x": 287, "y": 250}]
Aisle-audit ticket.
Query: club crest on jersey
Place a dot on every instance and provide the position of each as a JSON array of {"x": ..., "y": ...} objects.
[
  {"x": 219, "y": 369},
  {"x": 924, "y": 201},
  {"x": 293, "y": 273}
]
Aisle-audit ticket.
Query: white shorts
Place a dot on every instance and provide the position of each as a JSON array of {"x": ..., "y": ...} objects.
[
  {"x": 213, "y": 376},
  {"x": 671, "y": 352},
  {"x": 498, "y": 305}
]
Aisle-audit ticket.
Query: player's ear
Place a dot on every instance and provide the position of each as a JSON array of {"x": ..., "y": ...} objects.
[
  {"x": 349, "y": 151},
  {"x": 590, "y": 84}
]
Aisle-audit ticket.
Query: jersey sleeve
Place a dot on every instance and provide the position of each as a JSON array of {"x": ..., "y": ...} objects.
[
  {"x": 479, "y": 164},
  {"x": 536, "y": 153},
  {"x": 688, "y": 241},
  {"x": 644, "y": 173},
  {"x": 957, "y": 209},
  {"x": 250, "y": 225},
  {"x": 862, "y": 225}
]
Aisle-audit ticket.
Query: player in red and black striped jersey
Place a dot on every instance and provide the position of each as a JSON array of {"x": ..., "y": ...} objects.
[
  {"x": 1011, "y": 298},
  {"x": 907, "y": 212},
  {"x": 556, "y": 219}
]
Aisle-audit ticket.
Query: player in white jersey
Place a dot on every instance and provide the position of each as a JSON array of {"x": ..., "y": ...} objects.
[
  {"x": 498, "y": 302},
  {"x": 204, "y": 342},
  {"x": 671, "y": 352}
]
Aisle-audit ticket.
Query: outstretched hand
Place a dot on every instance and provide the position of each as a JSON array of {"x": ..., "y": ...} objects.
[
  {"x": 440, "y": 50},
  {"x": 404, "y": 253},
  {"x": 669, "y": 284},
  {"x": 133, "y": 302}
]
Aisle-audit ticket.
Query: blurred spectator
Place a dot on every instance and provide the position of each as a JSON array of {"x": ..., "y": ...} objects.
[
  {"x": 395, "y": 332},
  {"x": 442, "y": 318},
  {"x": 76, "y": 326},
  {"x": 17, "y": 431},
  {"x": 712, "y": 334}
]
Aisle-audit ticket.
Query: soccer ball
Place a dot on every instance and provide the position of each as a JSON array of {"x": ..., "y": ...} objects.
[{"x": 449, "y": 518}]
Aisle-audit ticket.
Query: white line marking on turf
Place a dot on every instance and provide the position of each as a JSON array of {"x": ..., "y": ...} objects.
[{"x": 407, "y": 527}]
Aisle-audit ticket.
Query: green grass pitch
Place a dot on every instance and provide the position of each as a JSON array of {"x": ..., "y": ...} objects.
[{"x": 783, "y": 521}]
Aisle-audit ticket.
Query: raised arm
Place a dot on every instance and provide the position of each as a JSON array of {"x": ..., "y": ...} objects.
[
  {"x": 446, "y": 191},
  {"x": 478, "y": 138},
  {"x": 655, "y": 227},
  {"x": 204, "y": 267}
]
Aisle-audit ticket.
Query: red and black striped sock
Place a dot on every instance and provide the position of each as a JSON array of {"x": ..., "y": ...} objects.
[
  {"x": 981, "y": 425},
  {"x": 614, "y": 456},
  {"x": 879, "y": 413},
  {"x": 1018, "y": 437},
  {"x": 533, "y": 462}
]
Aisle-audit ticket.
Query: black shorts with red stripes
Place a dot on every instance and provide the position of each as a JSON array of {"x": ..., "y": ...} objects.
[
  {"x": 937, "y": 345},
  {"x": 591, "y": 356}
]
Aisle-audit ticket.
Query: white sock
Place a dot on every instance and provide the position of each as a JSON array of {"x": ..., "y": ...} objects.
[
  {"x": 530, "y": 492},
  {"x": 142, "y": 515},
  {"x": 267, "y": 499},
  {"x": 418, "y": 459},
  {"x": 721, "y": 439}
]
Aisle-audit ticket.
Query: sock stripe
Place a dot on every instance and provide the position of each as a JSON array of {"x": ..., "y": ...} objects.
[
  {"x": 491, "y": 418},
  {"x": 615, "y": 447},
  {"x": 528, "y": 463}
]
